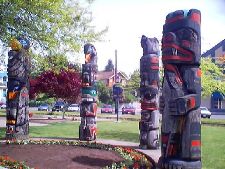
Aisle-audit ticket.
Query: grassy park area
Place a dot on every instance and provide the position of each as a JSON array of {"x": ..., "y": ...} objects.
[{"x": 213, "y": 147}]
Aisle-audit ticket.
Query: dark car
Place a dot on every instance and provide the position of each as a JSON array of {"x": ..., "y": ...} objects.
[
  {"x": 44, "y": 107},
  {"x": 107, "y": 109},
  {"x": 59, "y": 106},
  {"x": 128, "y": 110}
]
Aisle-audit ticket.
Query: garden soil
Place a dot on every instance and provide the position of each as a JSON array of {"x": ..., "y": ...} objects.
[{"x": 59, "y": 156}]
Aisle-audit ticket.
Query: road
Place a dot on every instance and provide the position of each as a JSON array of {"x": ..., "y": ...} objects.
[{"x": 218, "y": 116}]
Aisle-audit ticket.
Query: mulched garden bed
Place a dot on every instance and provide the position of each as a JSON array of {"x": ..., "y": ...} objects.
[{"x": 54, "y": 154}]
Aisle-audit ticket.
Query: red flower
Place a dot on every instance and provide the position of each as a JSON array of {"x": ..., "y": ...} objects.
[{"x": 136, "y": 165}]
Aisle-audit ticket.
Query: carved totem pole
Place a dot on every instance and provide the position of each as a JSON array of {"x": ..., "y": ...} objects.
[
  {"x": 17, "y": 110},
  {"x": 149, "y": 89},
  {"x": 88, "y": 127},
  {"x": 181, "y": 92}
]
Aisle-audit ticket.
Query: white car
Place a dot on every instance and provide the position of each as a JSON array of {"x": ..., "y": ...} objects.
[
  {"x": 205, "y": 113},
  {"x": 3, "y": 106},
  {"x": 74, "y": 107}
]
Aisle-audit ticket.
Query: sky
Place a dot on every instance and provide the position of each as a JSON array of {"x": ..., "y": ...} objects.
[{"x": 128, "y": 20}]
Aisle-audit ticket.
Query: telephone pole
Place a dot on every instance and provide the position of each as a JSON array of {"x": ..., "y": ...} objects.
[{"x": 116, "y": 98}]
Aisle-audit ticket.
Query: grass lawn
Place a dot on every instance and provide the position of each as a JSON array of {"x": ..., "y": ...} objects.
[
  {"x": 213, "y": 147},
  {"x": 124, "y": 130},
  {"x": 213, "y": 137},
  {"x": 77, "y": 114}
]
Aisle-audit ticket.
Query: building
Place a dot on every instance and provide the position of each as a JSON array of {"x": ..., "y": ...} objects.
[
  {"x": 3, "y": 86},
  {"x": 216, "y": 102},
  {"x": 109, "y": 78}
]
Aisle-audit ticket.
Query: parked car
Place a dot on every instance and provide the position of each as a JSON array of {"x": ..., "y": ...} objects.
[
  {"x": 106, "y": 108},
  {"x": 59, "y": 106},
  {"x": 128, "y": 110},
  {"x": 205, "y": 113},
  {"x": 74, "y": 107},
  {"x": 44, "y": 107}
]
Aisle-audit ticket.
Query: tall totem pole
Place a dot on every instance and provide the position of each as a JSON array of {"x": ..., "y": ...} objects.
[
  {"x": 149, "y": 89},
  {"x": 181, "y": 92},
  {"x": 17, "y": 112},
  {"x": 88, "y": 127}
]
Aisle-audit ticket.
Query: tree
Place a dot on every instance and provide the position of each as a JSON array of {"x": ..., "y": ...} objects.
[
  {"x": 134, "y": 80},
  {"x": 57, "y": 26},
  {"x": 221, "y": 59},
  {"x": 212, "y": 77},
  {"x": 109, "y": 67},
  {"x": 65, "y": 85},
  {"x": 104, "y": 93},
  {"x": 41, "y": 64},
  {"x": 132, "y": 87},
  {"x": 128, "y": 97},
  {"x": 133, "y": 83}
]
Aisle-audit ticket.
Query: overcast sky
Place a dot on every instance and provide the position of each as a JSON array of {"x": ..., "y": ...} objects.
[{"x": 128, "y": 20}]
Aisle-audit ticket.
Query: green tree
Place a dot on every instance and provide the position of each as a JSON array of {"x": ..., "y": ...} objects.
[
  {"x": 109, "y": 67},
  {"x": 132, "y": 87},
  {"x": 128, "y": 97},
  {"x": 104, "y": 93},
  {"x": 41, "y": 64},
  {"x": 58, "y": 26},
  {"x": 134, "y": 80},
  {"x": 133, "y": 84},
  {"x": 212, "y": 77}
]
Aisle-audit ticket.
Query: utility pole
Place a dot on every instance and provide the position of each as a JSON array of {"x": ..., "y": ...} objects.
[
  {"x": 117, "y": 89},
  {"x": 116, "y": 98},
  {"x": 115, "y": 72}
]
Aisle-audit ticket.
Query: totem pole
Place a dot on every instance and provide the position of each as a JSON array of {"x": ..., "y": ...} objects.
[
  {"x": 149, "y": 89},
  {"x": 17, "y": 109},
  {"x": 87, "y": 129},
  {"x": 181, "y": 91}
]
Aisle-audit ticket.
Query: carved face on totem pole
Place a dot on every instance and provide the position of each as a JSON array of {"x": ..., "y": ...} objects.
[
  {"x": 90, "y": 54},
  {"x": 149, "y": 45},
  {"x": 181, "y": 40}
]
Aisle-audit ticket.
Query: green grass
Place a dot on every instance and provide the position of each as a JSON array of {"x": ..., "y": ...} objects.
[
  {"x": 213, "y": 137},
  {"x": 2, "y": 112},
  {"x": 213, "y": 147},
  {"x": 99, "y": 115},
  {"x": 213, "y": 121},
  {"x": 124, "y": 130},
  {"x": 77, "y": 114}
]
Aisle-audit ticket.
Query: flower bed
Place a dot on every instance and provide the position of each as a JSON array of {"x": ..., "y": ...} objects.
[{"x": 132, "y": 158}]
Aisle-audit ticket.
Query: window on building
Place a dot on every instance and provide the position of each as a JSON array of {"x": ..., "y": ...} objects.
[
  {"x": 4, "y": 79},
  {"x": 217, "y": 104},
  {"x": 217, "y": 100},
  {"x": 4, "y": 92}
]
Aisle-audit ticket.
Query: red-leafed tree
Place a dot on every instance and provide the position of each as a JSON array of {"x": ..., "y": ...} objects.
[{"x": 65, "y": 85}]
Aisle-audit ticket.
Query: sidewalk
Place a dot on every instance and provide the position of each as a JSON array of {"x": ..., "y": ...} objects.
[{"x": 3, "y": 123}]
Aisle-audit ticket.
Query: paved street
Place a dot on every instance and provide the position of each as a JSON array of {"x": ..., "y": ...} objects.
[{"x": 218, "y": 116}]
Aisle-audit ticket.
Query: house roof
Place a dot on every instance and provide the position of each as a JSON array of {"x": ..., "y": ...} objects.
[
  {"x": 103, "y": 75},
  {"x": 212, "y": 50}
]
